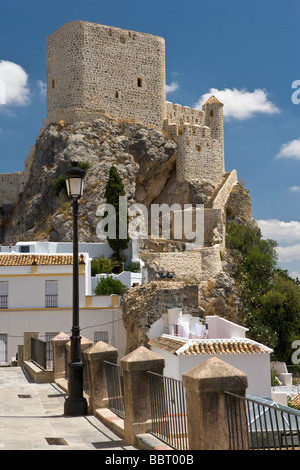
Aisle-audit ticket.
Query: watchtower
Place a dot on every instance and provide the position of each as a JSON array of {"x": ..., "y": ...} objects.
[{"x": 92, "y": 69}]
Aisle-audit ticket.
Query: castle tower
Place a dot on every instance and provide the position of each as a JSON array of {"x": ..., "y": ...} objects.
[
  {"x": 92, "y": 69},
  {"x": 213, "y": 109}
]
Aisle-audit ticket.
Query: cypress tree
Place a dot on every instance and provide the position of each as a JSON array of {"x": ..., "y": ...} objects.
[{"x": 114, "y": 189}]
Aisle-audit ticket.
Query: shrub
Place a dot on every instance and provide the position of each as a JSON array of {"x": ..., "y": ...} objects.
[
  {"x": 109, "y": 286},
  {"x": 59, "y": 184},
  {"x": 134, "y": 267},
  {"x": 101, "y": 264}
]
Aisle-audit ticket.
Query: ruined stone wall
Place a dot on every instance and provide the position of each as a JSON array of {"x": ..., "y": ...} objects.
[
  {"x": 97, "y": 68},
  {"x": 12, "y": 185},
  {"x": 188, "y": 266}
]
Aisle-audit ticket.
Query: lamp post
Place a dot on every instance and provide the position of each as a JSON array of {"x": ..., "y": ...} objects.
[{"x": 75, "y": 404}]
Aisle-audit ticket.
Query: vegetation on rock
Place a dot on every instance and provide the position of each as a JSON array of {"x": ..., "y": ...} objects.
[{"x": 270, "y": 295}]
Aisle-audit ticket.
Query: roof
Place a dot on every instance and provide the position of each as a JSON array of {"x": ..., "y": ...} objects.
[
  {"x": 168, "y": 344},
  {"x": 36, "y": 259},
  {"x": 190, "y": 347},
  {"x": 295, "y": 401},
  {"x": 213, "y": 100}
]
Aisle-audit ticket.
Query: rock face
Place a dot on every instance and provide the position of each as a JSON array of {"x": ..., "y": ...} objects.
[
  {"x": 144, "y": 158},
  {"x": 144, "y": 305}
]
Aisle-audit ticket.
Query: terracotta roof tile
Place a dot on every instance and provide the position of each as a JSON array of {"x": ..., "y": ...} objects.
[
  {"x": 168, "y": 344},
  {"x": 185, "y": 347},
  {"x": 223, "y": 347},
  {"x": 40, "y": 260},
  {"x": 295, "y": 401}
]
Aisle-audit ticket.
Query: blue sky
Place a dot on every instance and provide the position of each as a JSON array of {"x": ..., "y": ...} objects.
[{"x": 245, "y": 52}]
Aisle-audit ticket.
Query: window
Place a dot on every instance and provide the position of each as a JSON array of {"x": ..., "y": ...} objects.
[
  {"x": 101, "y": 336},
  {"x": 139, "y": 82},
  {"x": 3, "y": 294},
  {"x": 24, "y": 249},
  {"x": 51, "y": 294},
  {"x": 53, "y": 83}
]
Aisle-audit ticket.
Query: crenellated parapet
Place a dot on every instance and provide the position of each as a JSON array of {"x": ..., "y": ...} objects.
[
  {"x": 177, "y": 114},
  {"x": 199, "y": 136}
]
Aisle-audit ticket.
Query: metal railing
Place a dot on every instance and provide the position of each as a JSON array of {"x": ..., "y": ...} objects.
[
  {"x": 269, "y": 425},
  {"x": 38, "y": 352},
  {"x": 168, "y": 410},
  {"x": 3, "y": 301},
  {"x": 51, "y": 301},
  {"x": 114, "y": 382}
]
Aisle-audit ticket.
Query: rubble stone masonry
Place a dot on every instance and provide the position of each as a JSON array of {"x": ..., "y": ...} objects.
[{"x": 99, "y": 68}]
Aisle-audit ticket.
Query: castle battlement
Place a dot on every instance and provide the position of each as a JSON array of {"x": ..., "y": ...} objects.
[{"x": 177, "y": 114}]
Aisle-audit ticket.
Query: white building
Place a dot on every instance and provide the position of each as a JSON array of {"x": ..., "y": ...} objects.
[
  {"x": 217, "y": 338},
  {"x": 36, "y": 295}
]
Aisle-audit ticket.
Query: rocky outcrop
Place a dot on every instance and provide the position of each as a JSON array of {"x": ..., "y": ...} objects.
[
  {"x": 144, "y": 305},
  {"x": 144, "y": 158}
]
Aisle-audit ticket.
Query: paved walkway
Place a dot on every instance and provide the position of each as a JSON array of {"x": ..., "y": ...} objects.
[{"x": 31, "y": 418}]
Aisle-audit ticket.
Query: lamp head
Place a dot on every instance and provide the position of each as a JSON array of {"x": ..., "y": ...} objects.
[{"x": 74, "y": 182}]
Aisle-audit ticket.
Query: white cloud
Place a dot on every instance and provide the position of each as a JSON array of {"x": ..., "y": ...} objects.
[
  {"x": 287, "y": 254},
  {"x": 15, "y": 80},
  {"x": 240, "y": 104},
  {"x": 287, "y": 234},
  {"x": 172, "y": 87},
  {"x": 290, "y": 150},
  {"x": 42, "y": 87},
  {"x": 280, "y": 231},
  {"x": 295, "y": 274},
  {"x": 295, "y": 189}
]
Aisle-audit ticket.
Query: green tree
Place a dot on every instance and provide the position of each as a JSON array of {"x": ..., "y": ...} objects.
[
  {"x": 114, "y": 189},
  {"x": 271, "y": 296},
  {"x": 255, "y": 261},
  {"x": 280, "y": 309}
]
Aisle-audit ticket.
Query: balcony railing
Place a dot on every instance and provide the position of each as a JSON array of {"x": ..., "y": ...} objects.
[
  {"x": 271, "y": 426},
  {"x": 3, "y": 301},
  {"x": 168, "y": 410},
  {"x": 51, "y": 301}
]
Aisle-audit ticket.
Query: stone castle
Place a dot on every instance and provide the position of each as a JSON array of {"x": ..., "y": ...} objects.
[{"x": 94, "y": 70}]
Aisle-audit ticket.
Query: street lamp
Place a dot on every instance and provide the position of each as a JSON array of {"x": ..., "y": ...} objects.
[{"x": 75, "y": 404}]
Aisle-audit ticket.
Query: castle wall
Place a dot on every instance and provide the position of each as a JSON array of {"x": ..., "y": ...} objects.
[
  {"x": 199, "y": 135},
  {"x": 223, "y": 195},
  {"x": 177, "y": 114},
  {"x": 97, "y": 68},
  {"x": 200, "y": 158}
]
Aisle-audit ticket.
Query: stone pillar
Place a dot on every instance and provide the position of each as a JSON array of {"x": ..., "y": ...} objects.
[
  {"x": 27, "y": 344},
  {"x": 95, "y": 357},
  {"x": 205, "y": 385},
  {"x": 84, "y": 345},
  {"x": 136, "y": 390},
  {"x": 59, "y": 350}
]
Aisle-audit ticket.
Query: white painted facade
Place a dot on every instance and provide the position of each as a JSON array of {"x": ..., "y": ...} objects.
[
  {"x": 24, "y": 307},
  {"x": 255, "y": 365}
]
